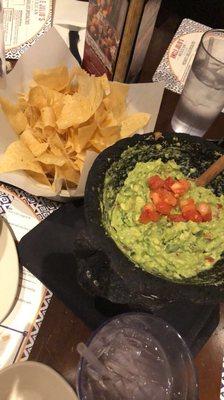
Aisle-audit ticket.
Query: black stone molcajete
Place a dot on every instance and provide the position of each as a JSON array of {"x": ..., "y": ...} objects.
[
  {"x": 58, "y": 252},
  {"x": 189, "y": 152},
  {"x": 72, "y": 256}
]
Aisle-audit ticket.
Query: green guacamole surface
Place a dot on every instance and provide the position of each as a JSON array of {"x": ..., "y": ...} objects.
[{"x": 175, "y": 250}]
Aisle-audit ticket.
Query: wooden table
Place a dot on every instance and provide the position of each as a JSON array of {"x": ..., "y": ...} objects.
[{"x": 62, "y": 330}]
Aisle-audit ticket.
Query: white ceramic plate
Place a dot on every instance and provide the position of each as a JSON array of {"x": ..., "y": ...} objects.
[
  {"x": 31, "y": 380},
  {"x": 9, "y": 270}
]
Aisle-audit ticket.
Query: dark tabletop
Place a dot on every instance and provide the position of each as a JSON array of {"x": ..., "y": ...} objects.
[{"x": 62, "y": 330}]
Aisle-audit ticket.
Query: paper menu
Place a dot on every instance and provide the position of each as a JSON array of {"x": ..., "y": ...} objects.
[
  {"x": 176, "y": 62},
  {"x": 18, "y": 217},
  {"x": 24, "y": 22},
  {"x": 19, "y": 330},
  {"x": 71, "y": 14}
]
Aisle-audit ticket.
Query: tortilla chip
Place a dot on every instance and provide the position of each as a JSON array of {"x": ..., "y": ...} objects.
[
  {"x": 18, "y": 157},
  {"x": 81, "y": 155},
  {"x": 133, "y": 123},
  {"x": 72, "y": 84},
  {"x": 84, "y": 135},
  {"x": 15, "y": 116},
  {"x": 69, "y": 174},
  {"x": 40, "y": 178},
  {"x": 22, "y": 102},
  {"x": 100, "y": 114},
  {"x": 76, "y": 110},
  {"x": 54, "y": 141},
  {"x": 52, "y": 159},
  {"x": 48, "y": 117},
  {"x": 32, "y": 115},
  {"x": 39, "y": 124},
  {"x": 37, "y": 97},
  {"x": 53, "y": 78},
  {"x": 71, "y": 143},
  {"x": 91, "y": 88},
  {"x": 116, "y": 101},
  {"x": 49, "y": 170},
  {"x": 97, "y": 142},
  {"x": 110, "y": 131},
  {"x": 109, "y": 121},
  {"x": 105, "y": 84},
  {"x": 52, "y": 96},
  {"x": 78, "y": 164},
  {"x": 28, "y": 138}
]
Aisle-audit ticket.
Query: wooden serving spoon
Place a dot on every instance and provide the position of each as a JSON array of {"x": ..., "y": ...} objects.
[{"x": 215, "y": 169}]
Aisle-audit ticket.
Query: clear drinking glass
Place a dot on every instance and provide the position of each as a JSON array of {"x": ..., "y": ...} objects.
[
  {"x": 146, "y": 359},
  {"x": 203, "y": 96}
]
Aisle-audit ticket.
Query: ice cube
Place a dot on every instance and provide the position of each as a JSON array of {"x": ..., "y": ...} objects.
[{"x": 137, "y": 364}]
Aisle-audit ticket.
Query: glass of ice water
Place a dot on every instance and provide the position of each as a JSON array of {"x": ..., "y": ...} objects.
[
  {"x": 203, "y": 96},
  {"x": 145, "y": 358}
]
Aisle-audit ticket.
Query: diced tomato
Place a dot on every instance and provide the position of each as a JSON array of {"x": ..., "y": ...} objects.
[
  {"x": 191, "y": 212},
  {"x": 149, "y": 207},
  {"x": 169, "y": 182},
  {"x": 180, "y": 187},
  {"x": 148, "y": 214},
  {"x": 155, "y": 182},
  {"x": 161, "y": 195},
  {"x": 219, "y": 205},
  {"x": 185, "y": 184},
  {"x": 207, "y": 218},
  {"x": 163, "y": 208},
  {"x": 162, "y": 199},
  {"x": 144, "y": 217},
  {"x": 205, "y": 210},
  {"x": 187, "y": 205},
  {"x": 192, "y": 215},
  {"x": 155, "y": 196},
  {"x": 210, "y": 259},
  {"x": 168, "y": 197},
  {"x": 176, "y": 218}
]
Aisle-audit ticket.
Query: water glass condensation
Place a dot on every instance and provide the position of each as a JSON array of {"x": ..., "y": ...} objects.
[
  {"x": 203, "y": 96},
  {"x": 146, "y": 359}
]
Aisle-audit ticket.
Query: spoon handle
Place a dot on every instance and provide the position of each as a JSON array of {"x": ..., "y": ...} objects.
[{"x": 211, "y": 172}]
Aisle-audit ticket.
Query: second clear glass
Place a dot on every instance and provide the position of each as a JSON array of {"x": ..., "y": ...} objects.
[
  {"x": 203, "y": 96},
  {"x": 146, "y": 358}
]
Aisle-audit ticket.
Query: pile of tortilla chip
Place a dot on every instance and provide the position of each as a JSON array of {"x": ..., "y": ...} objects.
[{"x": 63, "y": 115}]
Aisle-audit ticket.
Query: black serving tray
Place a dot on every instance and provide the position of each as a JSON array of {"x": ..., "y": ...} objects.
[{"x": 59, "y": 253}]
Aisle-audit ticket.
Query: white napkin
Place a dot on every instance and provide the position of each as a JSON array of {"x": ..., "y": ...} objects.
[{"x": 71, "y": 15}]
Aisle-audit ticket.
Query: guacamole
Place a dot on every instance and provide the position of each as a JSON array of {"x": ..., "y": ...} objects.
[{"x": 175, "y": 250}]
